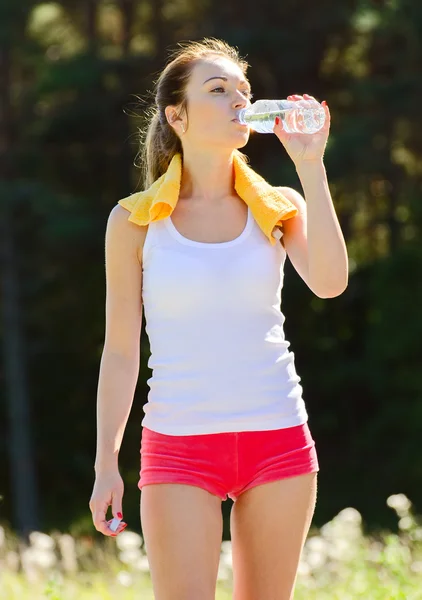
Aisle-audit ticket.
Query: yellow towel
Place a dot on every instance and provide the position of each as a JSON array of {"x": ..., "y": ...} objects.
[{"x": 268, "y": 205}]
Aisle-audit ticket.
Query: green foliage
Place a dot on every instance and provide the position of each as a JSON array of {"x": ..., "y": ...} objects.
[
  {"x": 338, "y": 561},
  {"x": 72, "y": 149}
]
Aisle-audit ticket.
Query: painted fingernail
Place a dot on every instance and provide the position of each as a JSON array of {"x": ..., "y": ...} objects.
[
  {"x": 277, "y": 120},
  {"x": 119, "y": 514}
]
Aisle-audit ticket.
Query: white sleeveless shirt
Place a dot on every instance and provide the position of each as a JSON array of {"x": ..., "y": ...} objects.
[{"x": 219, "y": 358}]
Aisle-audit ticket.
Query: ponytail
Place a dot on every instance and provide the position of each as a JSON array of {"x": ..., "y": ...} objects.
[{"x": 160, "y": 144}]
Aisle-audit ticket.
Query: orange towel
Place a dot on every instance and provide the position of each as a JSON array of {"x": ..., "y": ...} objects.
[{"x": 268, "y": 205}]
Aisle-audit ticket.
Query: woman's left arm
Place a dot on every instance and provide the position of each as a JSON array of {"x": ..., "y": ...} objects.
[{"x": 313, "y": 238}]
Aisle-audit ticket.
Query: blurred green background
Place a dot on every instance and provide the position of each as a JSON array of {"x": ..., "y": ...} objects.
[{"x": 75, "y": 78}]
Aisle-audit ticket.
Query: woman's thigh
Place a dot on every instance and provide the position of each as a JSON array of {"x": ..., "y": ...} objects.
[
  {"x": 182, "y": 527},
  {"x": 269, "y": 525}
]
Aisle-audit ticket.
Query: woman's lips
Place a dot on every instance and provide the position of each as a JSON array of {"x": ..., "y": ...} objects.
[{"x": 238, "y": 122}]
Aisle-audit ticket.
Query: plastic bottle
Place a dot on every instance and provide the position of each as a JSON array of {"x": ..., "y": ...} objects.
[{"x": 300, "y": 116}]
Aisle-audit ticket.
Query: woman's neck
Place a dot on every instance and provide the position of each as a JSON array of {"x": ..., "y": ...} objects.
[{"x": 207, "y": 176}]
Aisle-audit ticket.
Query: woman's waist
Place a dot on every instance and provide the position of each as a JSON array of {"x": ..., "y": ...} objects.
[{"x": 272, "y": 360}]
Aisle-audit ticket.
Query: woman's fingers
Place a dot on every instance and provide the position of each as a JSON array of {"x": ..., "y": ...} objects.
[
  {"x": 108, "y": 491},
  {"x": 99, "y": 511},
  {"x": 121, "y": 527},
  {"x": 100, "y": 522},
  {"x": 299, "y": 97},
  {"x": 103, "y": 526}
]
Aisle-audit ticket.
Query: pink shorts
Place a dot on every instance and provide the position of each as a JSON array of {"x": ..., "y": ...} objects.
[{"x": 227, "y": 464}]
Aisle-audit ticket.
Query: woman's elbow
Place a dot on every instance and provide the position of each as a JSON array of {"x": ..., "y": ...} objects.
[{"x": 330, "y": 290}]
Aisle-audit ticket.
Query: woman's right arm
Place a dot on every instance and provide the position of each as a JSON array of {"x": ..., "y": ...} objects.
[{"x": 119, "y": 367}]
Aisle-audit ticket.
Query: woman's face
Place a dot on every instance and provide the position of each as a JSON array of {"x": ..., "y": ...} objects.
[{"x": 217, "y": 89}]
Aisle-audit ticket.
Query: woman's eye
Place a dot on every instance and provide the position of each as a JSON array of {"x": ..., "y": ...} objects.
[{"x": 247, "y": 93}]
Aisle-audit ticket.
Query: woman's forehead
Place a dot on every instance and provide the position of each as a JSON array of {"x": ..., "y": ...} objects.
[{"x": 215, "y": 67}]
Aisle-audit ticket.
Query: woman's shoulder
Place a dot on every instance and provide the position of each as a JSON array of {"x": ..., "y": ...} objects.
[
  {"x": 293, "y": 196},
  {"x": 120, "y": 227}
]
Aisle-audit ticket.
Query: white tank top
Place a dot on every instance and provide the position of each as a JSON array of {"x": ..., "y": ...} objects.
[{"x": 219, "y": 358}]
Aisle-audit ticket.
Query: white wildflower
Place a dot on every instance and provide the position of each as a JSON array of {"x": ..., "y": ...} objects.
[
  {"x": 349, "y": 516},
  {"x": 406, "y": 523},
  {"x": 396, "y": 553},
  {"x": 347, "y": 524},
  {"x": 343, "y": 549},
  {"x": 32, "y": 574},
  {"x": 68, "y": 553},
  {"x": 223, "y": 573},
  {"x": 416, "y": 566},
  {"x": 40, "y": 557},
  {"x": 328, "y": 530},
  {"x": 226, "y": 559},
  {"x": 375, "y": 550},
  {"x": 400, "y": 503},
  {"x": 124, "y": 578},
  {"x": 130, "y": 556},
  {"x": 41, "y": 540},
  {"x": 316, "y": 560},
  {"x": 12, "y": 561},
  {"x": 303, "y": 569},
  {"x": 128, "y": 540},
  {"x": 226, "y": 546},
  {"x": 142, "y": 564},
  {"x": 316, "y": 544},
  {"x": 417, "y": 534}
]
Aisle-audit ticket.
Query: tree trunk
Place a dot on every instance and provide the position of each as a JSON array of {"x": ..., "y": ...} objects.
[
  {"x": 127, "y": 8},
  {"x": 158, "y": 26},
  {"x": 91, "y": 25},
  {"x": 22, "y": 472}
]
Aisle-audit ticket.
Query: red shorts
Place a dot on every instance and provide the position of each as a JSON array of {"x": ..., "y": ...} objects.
[{"x": 227, "y": 464}]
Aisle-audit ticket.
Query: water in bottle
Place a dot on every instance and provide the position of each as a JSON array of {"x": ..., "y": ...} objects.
[{"x": 300, "y": 116}]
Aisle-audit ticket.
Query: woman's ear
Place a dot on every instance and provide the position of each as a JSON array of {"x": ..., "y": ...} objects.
[{"x": 172, "y": 117}]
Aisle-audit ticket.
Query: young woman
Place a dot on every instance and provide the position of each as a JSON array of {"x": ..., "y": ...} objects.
[{"x": 225, "y": 414}]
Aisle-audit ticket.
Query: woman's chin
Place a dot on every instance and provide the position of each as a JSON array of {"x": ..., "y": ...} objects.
[{"x": 243, "y": 142}]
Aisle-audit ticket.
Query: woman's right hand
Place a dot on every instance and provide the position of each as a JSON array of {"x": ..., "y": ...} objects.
[{"x": 108, "y": 491}]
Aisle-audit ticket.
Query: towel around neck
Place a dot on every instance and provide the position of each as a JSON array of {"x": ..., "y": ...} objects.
[{"x": 268, "y": 205}]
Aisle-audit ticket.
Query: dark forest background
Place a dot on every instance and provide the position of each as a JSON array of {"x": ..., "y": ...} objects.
[{"x": 75, "y": 79}]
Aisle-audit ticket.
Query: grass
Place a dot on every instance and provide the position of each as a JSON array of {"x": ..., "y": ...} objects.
[{"x": 338, "y": 563}]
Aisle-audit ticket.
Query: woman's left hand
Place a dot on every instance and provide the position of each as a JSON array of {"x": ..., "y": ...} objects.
[{"x": 303, "y": 147}]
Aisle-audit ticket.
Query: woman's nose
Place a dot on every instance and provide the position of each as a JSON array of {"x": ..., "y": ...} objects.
[{"x": 240, "y": 101}]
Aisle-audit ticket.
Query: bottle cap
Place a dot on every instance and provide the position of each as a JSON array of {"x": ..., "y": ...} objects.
[{"x": 114, "y": 524}]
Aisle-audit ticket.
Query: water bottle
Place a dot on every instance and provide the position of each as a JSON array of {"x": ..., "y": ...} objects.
[{"x": 300, "y": 116}]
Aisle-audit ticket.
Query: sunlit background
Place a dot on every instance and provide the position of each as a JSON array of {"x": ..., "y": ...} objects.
[{"x": 75, "y": 79}]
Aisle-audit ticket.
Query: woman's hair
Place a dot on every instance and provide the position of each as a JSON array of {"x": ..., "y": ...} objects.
[{"x": 159, "y": 141}]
